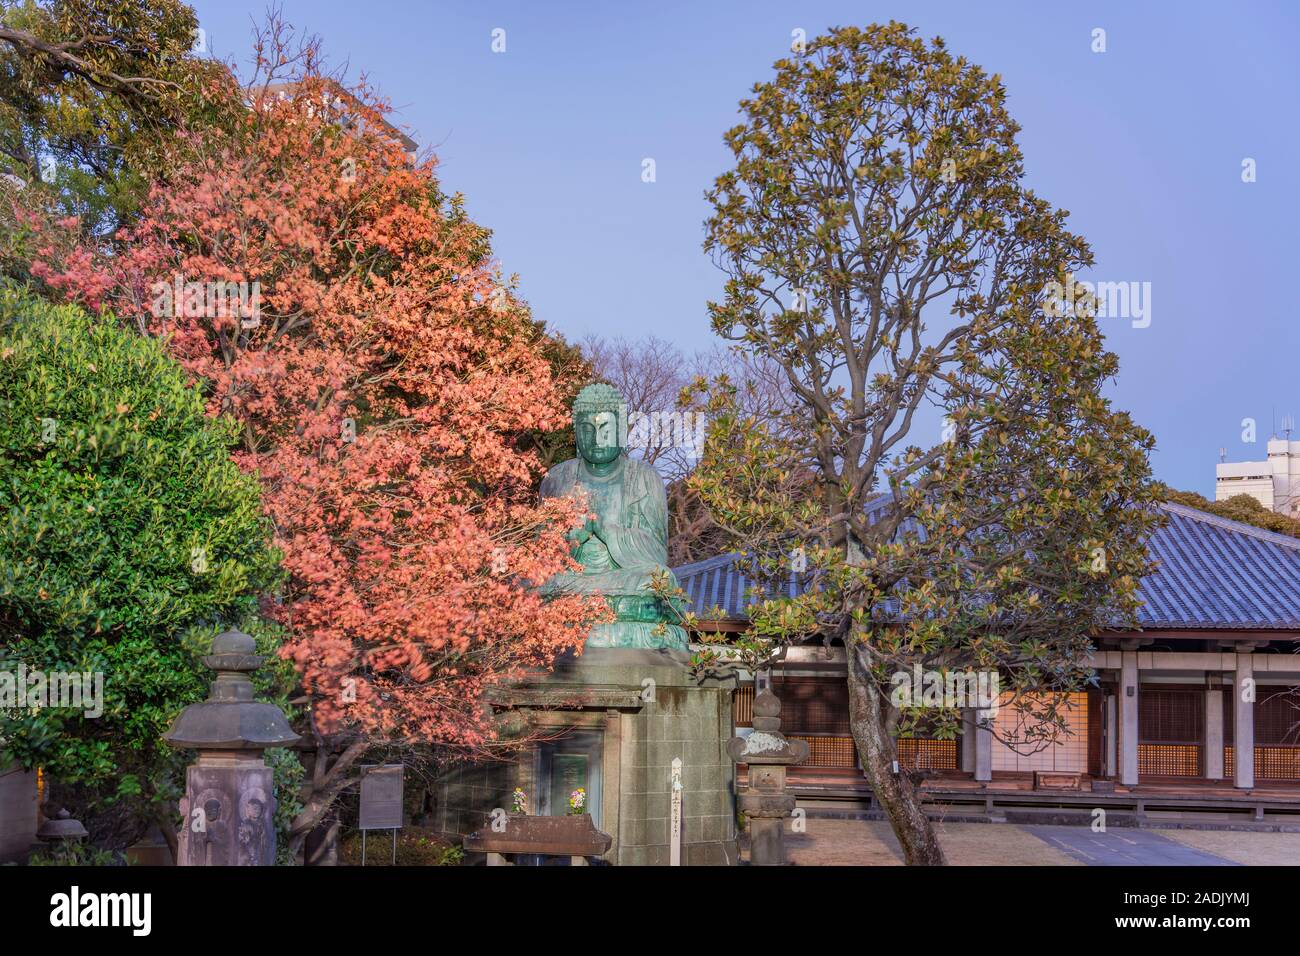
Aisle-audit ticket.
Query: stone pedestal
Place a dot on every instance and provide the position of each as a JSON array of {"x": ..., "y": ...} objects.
[
  {"x": 663, "y": 714},
  {"x": 638, "y": 709}
]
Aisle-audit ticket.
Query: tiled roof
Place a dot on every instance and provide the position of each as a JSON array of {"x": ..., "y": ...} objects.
[{"x": 1212, "y": 573}]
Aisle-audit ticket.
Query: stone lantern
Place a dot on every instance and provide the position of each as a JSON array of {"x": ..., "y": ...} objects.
[
  {"x": 229, "y": 804},
  {"x": 60, "y": 828},
  {"x": 767, "y": 802}
]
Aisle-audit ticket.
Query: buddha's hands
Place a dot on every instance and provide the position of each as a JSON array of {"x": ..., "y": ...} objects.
[{"x": 585, "y": 532}]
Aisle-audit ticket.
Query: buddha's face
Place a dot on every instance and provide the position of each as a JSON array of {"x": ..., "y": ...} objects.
[{"x": 598, "y": 437}]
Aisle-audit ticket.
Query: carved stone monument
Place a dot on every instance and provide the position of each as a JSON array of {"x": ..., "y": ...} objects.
[
  {"x": 229, "y": 805},
  {"x": 619, "y": 713}
]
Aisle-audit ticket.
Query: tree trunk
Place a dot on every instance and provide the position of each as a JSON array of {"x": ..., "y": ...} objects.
[
  {"x": 322, "y": 844},
  {"x": 896, "y": 793},
  {"x": 328, "y": 781}
]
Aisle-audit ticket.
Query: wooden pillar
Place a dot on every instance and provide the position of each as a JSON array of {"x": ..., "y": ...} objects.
[
  {"x": 1128, "y": 718},
  {"x": 1111, "y": 717},
  {"x": 1243, "y": 723},
  {"x": 1213, "y": 755}
]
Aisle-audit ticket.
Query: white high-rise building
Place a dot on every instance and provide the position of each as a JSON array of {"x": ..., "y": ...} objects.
[{"x": 1274, "y": 483}]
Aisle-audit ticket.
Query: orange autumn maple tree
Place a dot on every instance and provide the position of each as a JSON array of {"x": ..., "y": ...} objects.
[{"x": 347, "y": 312}]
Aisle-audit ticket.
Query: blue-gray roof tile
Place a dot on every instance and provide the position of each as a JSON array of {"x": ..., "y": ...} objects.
[{"x": 1212, "y": 573}]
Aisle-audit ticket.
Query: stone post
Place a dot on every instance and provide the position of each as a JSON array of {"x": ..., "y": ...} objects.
[
  {"x": 767, "y": 802},
  {"x": 229, "y": 804}
]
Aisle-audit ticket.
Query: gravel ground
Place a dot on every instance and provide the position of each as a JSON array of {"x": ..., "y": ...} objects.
[{"x": 1249, "y": 849}]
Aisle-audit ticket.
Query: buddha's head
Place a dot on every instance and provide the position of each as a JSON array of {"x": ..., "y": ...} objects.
[{"x": 599, "y": 422}]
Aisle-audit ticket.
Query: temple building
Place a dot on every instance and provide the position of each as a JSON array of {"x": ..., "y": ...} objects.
[{"x": 1162, "y": 732}]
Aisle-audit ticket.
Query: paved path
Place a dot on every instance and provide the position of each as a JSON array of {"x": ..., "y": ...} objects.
[{"x": 1124, "y": 847}]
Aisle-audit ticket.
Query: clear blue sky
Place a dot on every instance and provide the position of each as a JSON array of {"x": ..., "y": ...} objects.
[{"x": 1143, "y": 144}]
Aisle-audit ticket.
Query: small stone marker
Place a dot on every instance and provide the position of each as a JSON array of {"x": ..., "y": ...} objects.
[{"x": 675, "y": 837}]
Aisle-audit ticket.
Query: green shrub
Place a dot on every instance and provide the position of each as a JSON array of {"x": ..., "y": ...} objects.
[
  {"x": 416, "y": 846},
  {"x": 124, "y": 525},
  {"x": 76, "y": 854}
]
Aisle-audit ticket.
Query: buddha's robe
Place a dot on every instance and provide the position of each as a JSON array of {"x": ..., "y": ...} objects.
[{"x": 626, "y": 548}]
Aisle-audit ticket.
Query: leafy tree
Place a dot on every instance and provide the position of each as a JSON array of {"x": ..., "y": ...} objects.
[
  {"x": 96, "y": 89},
  {"x": 387, "y": 386},
  {"x": 128, "y": 535},
  {"x": 880, "y": 246},
  {"x": 1241, "y": 508}
]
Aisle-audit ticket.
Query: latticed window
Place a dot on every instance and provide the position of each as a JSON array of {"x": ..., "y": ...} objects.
[
  {"x": 813, "y": 705},
  {"x": 1277, "y": 717},
  {"x": 1171, "y": 732},
  {"x": 814, "y": 709},
  {"x": 1277, "y": 734},
  {"x": 1171, "y": 716},
  {"x": 742, "y": 706},
  {"x": 1012, "y": 751}
]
